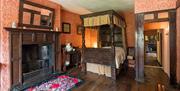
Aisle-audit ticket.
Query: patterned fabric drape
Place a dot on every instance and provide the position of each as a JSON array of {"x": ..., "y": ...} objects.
[
  {"x": 124, "y": 40},
  {"x": 96, "y": 21},
  {"x": 102, "y": 20},
  {"x": 118, "y": 22}
]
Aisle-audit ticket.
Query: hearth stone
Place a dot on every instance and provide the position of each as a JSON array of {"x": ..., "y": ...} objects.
[{"x": 35, "y": 81}]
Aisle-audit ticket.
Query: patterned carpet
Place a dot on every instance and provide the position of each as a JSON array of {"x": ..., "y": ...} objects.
[{"x": 60, "y": 83}]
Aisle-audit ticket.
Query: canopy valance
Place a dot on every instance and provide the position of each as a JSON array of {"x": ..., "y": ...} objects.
[{"x": 103, "y": 18}]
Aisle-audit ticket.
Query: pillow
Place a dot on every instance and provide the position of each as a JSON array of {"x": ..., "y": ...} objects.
[{"x": 107, "y": 47}]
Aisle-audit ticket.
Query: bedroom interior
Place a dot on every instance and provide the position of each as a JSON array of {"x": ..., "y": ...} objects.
[{"x": 128, "y": 45}]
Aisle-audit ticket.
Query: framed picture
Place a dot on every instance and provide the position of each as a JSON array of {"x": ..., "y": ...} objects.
[
  {"x": 45, "y": 20},
  {"x": 79, "y": 30},
  {"x": 66, "y": 28}
]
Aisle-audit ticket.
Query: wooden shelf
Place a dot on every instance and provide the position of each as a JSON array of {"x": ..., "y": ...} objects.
[{"x": 29, "y": 30}]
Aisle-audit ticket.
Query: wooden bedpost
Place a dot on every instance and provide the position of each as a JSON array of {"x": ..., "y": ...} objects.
[
  {"x": 83, "y": 64},
  {"x": 113, "y": 67}
]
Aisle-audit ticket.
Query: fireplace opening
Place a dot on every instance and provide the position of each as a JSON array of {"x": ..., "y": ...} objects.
[{"x": 37, "y": 60}]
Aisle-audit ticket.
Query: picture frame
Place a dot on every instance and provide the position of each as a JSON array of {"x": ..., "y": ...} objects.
[
  {"x": 79, "y": 30},
  {"x": 66, "y": 28},
  {"x": 45, "y": 20}
]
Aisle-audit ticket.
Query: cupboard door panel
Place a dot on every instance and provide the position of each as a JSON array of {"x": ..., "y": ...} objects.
[
  {"x": 15, "y": 57},
  {"x": 49, "y": 37},
  {"x": 27, "y": 38},
  {"x": 40, "y": 37},
  {"x": 58, "y": 63},
  {"x": 15, "y": 73}
]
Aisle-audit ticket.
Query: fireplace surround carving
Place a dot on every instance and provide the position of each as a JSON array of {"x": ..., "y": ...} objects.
[{"x": 34, "y": 54}]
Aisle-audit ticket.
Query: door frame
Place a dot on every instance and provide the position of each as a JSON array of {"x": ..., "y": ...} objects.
[{"x": 139, "y": 42}]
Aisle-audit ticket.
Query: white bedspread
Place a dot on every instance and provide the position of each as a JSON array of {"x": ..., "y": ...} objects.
[{"x": 120, "y": 56}]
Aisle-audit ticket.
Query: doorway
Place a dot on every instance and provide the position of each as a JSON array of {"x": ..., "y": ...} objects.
[
  {"x": 151, "y": 17},
  {"x": 158, "y": 44},
  {"x": 153, "y": 48}
]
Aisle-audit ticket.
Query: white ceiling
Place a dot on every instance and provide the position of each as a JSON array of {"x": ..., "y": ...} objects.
[{"x": 89, "y": 6}]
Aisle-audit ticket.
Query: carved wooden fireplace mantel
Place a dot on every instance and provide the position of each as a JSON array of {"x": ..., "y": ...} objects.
[{"x": 32, "y": 39}]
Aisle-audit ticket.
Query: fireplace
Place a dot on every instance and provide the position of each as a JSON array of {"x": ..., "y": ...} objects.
[
  {"x": 37, "y": 61},
  {"x": 34, "y": 56}
]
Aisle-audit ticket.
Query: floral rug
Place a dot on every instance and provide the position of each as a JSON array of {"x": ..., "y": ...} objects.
[{"x": 60, "y": 83}]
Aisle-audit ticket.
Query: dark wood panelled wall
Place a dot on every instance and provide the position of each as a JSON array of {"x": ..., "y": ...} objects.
[{"x": 140, "y": 42}]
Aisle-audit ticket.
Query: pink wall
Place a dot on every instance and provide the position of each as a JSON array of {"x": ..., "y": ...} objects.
[
  {"x": 0, "y": 39},
  {"x": 178, "y": 45},
  {"x": 153, "y": 5},
  {"x": 74, "y": 20},
  {"x": 130, "y": 29},
  {"x": 8, "y": 14}
]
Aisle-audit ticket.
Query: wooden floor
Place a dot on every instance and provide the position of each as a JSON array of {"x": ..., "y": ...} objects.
[
  {"x": 151, "y": 60},
  {"x": 155, "y": 80},
  {"x": 152, "y": 63}
]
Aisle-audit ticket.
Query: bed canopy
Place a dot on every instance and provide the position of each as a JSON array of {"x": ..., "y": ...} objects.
[
  {"x": 98, "y": 19},
  {"x": 106, "y": 18},
  {"x": 112, "y": 34}
]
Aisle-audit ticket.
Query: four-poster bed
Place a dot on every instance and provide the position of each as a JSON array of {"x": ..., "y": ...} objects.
[{"x": 111, "y": 52}]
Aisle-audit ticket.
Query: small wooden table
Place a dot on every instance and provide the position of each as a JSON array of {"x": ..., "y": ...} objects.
[{"x": 73, "y": 57}]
